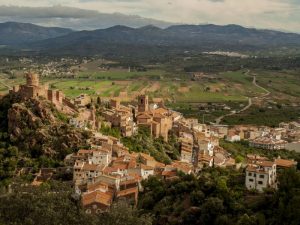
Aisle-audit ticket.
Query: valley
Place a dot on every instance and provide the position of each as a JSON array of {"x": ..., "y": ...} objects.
[
  {"x": 241, "y": 92},
  {"x": 178, "y": 125}
]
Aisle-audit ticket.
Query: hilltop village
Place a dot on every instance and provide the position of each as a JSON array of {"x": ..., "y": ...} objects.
[{"x": 107, "y": 170}]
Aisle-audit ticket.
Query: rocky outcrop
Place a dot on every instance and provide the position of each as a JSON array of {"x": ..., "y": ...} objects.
[
  {"x": 33, "y": 126},
  {"x": 30, "y": 115}
]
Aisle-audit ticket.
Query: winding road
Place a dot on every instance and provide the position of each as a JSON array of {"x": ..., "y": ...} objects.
[{"x": 219, "y": 119}]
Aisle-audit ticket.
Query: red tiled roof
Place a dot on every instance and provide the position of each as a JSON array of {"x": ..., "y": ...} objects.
[
  {"x": 160, "y": 165},
  {"x": 84, "y": 151},
  {"x": 104, "y": 198},
  {"x": 92, "y": 167},
  {"x": 169, "y": 173},
  {"x": 127, "y": 191},
  {"x": 266, "y": 163},
  {"x": 145, "y": 167},
  {"x": 285, "y": 163},
  {"x": 144, "y": 116},
  {"x": 147, "y": 157}
]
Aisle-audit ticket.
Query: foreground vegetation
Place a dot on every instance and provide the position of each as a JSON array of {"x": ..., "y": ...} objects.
[
  {"x": 217, "y": 196},
  {"x": 214, "y": 196},
  {"x": 55, "y": 204}
]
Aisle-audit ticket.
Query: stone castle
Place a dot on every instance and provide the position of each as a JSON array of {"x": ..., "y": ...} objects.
[{"x": 33, "y": 89}]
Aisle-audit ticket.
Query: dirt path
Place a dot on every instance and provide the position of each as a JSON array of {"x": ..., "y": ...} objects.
[{"x": 250, "y": 102}]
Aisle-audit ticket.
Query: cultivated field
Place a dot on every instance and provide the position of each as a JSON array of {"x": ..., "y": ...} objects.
[
  {"x": 232, "y": 86},
  {"x": 182, "y": 94}
]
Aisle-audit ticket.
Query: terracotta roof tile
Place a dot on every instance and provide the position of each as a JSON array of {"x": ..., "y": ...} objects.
[
  {"x": 285, "y": 163},
  {"x": 104, "y": 198}
]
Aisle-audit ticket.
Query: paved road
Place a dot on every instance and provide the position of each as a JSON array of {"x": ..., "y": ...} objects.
[
  {"x": 267, "y": 92},
  {"x": 219, "y": 119}
]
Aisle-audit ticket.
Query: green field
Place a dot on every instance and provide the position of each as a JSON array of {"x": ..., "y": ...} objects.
[
  {"x": 242, "y": 83},
  {"x": 281, "y": 83},
  {"x": 122, "y": 75},
  {"x": 234, "y": 86},
  {"x": 265, "y": 116},
  {"x": 3, "y": 89},
  {"x": 198, "y": 94}
]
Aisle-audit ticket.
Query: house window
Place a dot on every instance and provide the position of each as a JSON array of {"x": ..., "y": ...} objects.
[
  {"x": 261, "y": 176},
  {"x": 249, "y": 174},
  {"x": 251, "y": 180},
  {"x": 260, "y": 182}
]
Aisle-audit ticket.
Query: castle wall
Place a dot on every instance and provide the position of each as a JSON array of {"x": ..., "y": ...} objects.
[
  {"x": 68, "y": 103},
  {"x": 59, "y": 96},
  {"x": 51, "y": 96}
]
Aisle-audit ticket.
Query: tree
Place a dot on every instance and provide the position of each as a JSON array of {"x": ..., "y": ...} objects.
[
  {"x": 98, "y": 100},
  {"x": 246, "y": 220},
  {"x": 211, "y": 209},
  {"x": 122, "y": 213},
  {"x": 12, "y": 151},
  {"x": 50, "y": 204}
]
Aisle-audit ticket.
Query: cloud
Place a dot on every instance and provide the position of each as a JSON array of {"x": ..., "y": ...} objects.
[
  {"x": 74, "y": 18},
  {"x": 272, "y": 14},
  {"x": 46, "y": 12}
]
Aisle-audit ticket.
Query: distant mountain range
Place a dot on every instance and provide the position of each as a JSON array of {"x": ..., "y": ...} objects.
[
  {"x": 12, "y": 33},
  {"x": 122, "y": 40}
]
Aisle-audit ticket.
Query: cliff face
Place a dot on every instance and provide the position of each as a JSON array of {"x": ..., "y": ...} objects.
[
  {"x": 29, "y": 115},
  {"x": 34, "y": 127}
]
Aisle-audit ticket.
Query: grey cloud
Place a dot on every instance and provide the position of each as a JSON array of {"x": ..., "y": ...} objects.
[
  {"x": 74, "y": 18},
  {"x": 46, "y": 12},
  {"x": 109, "y": 0}
]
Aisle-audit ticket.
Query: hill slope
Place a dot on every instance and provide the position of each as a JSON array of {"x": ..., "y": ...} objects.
[
  {"x": 121, "y": 39},
  {"x": 12, "y": 33}
]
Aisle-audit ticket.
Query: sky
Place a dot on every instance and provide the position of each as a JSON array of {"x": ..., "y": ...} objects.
[{"x": 88, "y": 14}]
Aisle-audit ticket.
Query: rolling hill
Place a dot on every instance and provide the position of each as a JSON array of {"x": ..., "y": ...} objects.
[
  {"x": 127, "y": 41},
  {"x": 12, "y": 33}
]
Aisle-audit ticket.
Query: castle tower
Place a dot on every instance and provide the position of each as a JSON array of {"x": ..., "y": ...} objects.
[
  {"x": 115, "y": 103},
  {"x": 143, "y": 103},
  {"x": 32, "y": 79}
]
